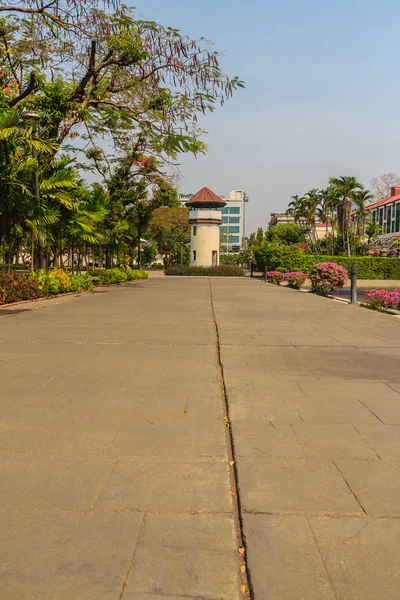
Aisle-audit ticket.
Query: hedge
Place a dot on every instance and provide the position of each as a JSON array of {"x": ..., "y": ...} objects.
[
  {"x": 219, "y": 271},
  {"x": 113, "y": 276},
  {"x": 291, "y": 258}
]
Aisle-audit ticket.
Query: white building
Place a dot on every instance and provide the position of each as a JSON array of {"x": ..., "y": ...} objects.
[
  {"x": 205, "y": 221},
  {"x": 233, "y": 236}
]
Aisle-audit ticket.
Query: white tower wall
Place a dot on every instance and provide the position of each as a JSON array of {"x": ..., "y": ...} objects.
[{"x": 205, "y": 237}]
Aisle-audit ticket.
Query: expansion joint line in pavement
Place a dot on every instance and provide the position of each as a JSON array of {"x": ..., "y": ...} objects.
[{"x": 246, "y": 588}]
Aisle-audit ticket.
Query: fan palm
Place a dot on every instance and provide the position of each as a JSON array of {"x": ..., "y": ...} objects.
[{"x": 344, "y": 189}]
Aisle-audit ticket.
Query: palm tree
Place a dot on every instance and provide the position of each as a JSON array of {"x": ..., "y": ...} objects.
[
  {"x": 344, "y": 189},
  {"x": 311, "y": 203},
  {"x": 361, "y": 199},
  {"x": 326, "y": 213},
  {"x": 372, "y": 231},
  {"x": 296, "y": 209}
]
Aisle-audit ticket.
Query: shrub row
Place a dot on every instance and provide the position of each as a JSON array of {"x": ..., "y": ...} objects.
[
  {"x": 291, "y": 258},
  {"x": 219, "y": 271},
  {"x": 112, "y": 276},
  {"x": 17, "y": 287}
]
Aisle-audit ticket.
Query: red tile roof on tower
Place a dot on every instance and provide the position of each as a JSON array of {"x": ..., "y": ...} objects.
[{"x": 204, "y": 198}]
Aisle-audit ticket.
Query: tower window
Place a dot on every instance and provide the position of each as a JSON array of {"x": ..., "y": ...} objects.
[
  {"x": 194, "y": 229},
  {"x": 194, "y": 254}
]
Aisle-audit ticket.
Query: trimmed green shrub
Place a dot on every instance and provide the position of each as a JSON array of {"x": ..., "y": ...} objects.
[
  {"x": 80, "y": 283},
  {"x": 135, "y": 274},
  {"x": 295, "y": 279},
  {"x": 292, "y": 258},
  {"x": 220, "y": 271},
  {"x": 116, "y": 276},
  {"x": 16, "y": 287}
]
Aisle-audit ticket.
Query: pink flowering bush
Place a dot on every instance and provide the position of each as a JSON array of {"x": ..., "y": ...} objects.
[
  {"x": 296, "y": 279},
  {"x": 275, "y": 277},
  {"x": 327, "y": 277},
  {"x": 383, "y": 300}
]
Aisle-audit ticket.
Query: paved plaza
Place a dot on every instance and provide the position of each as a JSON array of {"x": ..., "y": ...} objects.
[{"x": 122, "y": 411}]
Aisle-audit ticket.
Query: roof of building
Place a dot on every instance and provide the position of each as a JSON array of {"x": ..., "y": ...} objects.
[
  {"x": 205, "y": 198},
  {"x": 395, "y": 196}
]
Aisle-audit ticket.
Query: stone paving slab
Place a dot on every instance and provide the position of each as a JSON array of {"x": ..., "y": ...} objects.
[
  {"x": 116, "y": 479},
  {"x": 285, "y": 559},
  {"x": 361, "y": 555},
  {"x": 114, "y": 468},
  {"x": 324, "y": 525}
]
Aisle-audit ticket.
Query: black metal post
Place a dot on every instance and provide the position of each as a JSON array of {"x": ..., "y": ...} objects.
[
  {"x": 353, "y": 292},
  {"x": 251, "y": 269}
]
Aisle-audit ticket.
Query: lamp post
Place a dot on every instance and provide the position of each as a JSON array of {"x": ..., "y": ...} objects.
[{"x": 34, "y": 118}]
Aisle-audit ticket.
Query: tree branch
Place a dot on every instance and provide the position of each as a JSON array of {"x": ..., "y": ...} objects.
[
  {"x": 80, "y": 89},
  {"x": 29, "y": 89}
]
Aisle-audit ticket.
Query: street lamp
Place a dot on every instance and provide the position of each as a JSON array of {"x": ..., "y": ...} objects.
[{"x": 35, "y": 118}]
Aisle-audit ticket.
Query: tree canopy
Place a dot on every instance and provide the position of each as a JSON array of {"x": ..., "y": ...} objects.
[{"x": 86, "y": 85}]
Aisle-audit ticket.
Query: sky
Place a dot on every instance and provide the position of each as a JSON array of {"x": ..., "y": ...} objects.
[{"x": 322, "y": 95}]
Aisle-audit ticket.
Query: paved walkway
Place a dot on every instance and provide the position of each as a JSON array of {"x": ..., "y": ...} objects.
[{"x": 116, "y": 471}]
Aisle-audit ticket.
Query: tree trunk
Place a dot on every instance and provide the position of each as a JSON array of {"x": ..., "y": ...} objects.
[{"x": 139, "y": 254}]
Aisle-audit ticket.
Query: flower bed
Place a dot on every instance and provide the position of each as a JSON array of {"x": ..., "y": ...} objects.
[
  {"x": 326, "y": 277},
  {"x": 383, "y": 300},
  {"x": 276, "y": 277}
]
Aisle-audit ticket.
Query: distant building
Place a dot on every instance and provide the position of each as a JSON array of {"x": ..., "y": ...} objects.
[
  {"x": 233, "y": 220},
  {"x": 205, "y": 222},
  {"x": 278, "y": 218},
  {"x": 386, "y": 212}
]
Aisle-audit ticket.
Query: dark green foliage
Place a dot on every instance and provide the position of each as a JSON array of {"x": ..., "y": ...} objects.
[
  {"x": 16, "y": 287},
  {"x": 286, "y": 233},
  {"x": 149, "y": 255},
  {"x": 220, "y": 271},
  {"x": 291, "y": 258}
]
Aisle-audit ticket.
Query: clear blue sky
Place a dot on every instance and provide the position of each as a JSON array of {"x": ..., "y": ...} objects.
[{"x": 322, "y": 94}]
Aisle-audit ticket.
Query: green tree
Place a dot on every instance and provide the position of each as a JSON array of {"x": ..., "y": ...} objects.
[
  {"x": 361, "y": 199},
  {"x": 285, "y": 233},
  {"x": 343, "y": 190},
  {"x": 260, "y": 235},
  {"x": 372, "y": 231},
  {"x": 169, "y": 227}
]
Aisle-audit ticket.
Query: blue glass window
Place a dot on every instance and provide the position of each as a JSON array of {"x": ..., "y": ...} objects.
[
  {"x": 234, "y": 220},
  {"x": 234, "y": 210},
  {"x": 234, "y": 229},
  {"x": 233, "y": 239},
  {"x": 225, "y": 219},
  {"x": 224, "y": 230},
  {"x": 225, "y": 211}
]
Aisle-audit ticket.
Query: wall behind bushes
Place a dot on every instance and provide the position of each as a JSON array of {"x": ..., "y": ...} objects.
[{"x": 291, "y": 258}]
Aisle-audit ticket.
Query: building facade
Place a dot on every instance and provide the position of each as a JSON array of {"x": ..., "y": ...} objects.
[
  {"x": 234, "y": 221},
  {"x": 386, "y": 212}
]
